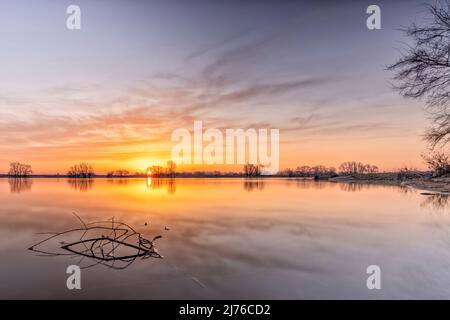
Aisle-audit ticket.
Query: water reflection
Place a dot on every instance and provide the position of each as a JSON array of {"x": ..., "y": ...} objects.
[
  {"x": 109, "y": 243},
  {"x": 81, "y": 184},
  {"x": 357, "y": 187},
  {"x": 250, "y": 185},
  {"x": 292, "y": 239},
  {"x": 118, "y": 181},
  {"x": 308, "y": 183},
  {"x": 353, "y": 187},
  {"x": 158, "y": 183},
  {"x": 435, "y": 201},
  {"x": 18, "y": 185}
]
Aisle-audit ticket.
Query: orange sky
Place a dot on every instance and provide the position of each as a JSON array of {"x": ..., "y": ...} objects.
[
  {"x": 112, "y": 93},
  {"x": 136, "y": 153}
]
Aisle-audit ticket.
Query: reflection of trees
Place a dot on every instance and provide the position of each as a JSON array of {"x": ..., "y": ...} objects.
[
  {"x": 18, "y": 185},
  {"x": 171, "y": 186},
  {"x": 156, "y": 184},
  {"x": 436, "y": 201},
  {"x": 118, "y": 181},
  {"x": 405, "y": 190},
  {"x": 82, "y": 185},
  {"x": 353, "y": 187},
  {"x": 356, "y": 186},
  {"x": 250, "y": 185},
  {"x": 359, "y": 186},
  {"x": 309, "y": 184}
]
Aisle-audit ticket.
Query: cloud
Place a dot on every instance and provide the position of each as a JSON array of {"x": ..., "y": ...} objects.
[{"x": 224, "y": 84}]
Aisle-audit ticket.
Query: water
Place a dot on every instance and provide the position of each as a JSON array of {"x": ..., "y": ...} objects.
[{"x": 232, "y": 239}]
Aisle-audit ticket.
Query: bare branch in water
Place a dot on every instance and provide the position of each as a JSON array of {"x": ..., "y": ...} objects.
[{"x": 103, "y": 242}]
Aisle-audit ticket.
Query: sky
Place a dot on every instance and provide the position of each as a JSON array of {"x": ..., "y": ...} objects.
[{"x": 112, "y": 93}]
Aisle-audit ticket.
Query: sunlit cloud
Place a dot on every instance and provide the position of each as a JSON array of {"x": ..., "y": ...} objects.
[{"x": 272, "y": 72}]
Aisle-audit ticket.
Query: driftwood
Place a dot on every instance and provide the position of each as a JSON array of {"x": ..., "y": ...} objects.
[{"x": 113, "y": 244}]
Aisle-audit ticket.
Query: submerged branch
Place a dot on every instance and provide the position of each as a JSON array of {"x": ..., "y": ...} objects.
[{"x": 101, "y": 249}]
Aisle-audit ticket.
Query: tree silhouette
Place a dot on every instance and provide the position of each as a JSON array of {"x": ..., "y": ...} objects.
[
  {"x": 82, "y": 170},
  {"x": 438, "y": 162},
  {"x": 157, "y": 171},
  {"x": 423, "y": 71},
  {"x": 118, "y": 173},
  {"x": 170, "y": 169},
  {"x": 17, "y": 169},
  {"x": 353, "y": 167},
  {"x": 252, "y": 170}
]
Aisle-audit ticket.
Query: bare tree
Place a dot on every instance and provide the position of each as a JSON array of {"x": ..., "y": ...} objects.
[
  {"x": 353, "y": 167},
  {"x": 288, "y": 172},
  {"x": 253, "y": 170},
  {"x": 17, "y": 169},
  {"x": 303, "y": 171},
  {"x": 349, "y": 167},
  {"x": 82, "y": 170},
  {"x": 170, "y": 169},
  {"x": 121, "y": 173},
  {"x": 423, "y": 71},
  {"x": 318, "y": 171},
  {"x": 368, "y": 168},
  {"x": 438, "y": 162},
  {"x": 248, "y": 170},
  {"x": 156, "y": 171},
  {"x": 257, "y": 169}
]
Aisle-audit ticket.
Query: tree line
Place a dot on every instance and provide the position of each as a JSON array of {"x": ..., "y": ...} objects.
[
  {"x": 319, "y": 171},
  {"x": 437, "y": 162},
  {"x": 159, "y": 171}
]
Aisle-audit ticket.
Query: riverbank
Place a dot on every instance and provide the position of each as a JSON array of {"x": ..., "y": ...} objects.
[
  {"x": 371, "y": 178},
  {"x": 425, "y": 183},
  {"x": 435, "y": 185}
]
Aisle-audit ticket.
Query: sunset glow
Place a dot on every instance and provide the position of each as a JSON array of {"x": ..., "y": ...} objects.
[
  {"x": 225, "y": 157},
  {"x": 330, "y": 105}
]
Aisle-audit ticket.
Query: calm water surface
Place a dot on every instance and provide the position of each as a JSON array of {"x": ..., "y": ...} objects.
[{"x": 232, "y": 239}]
